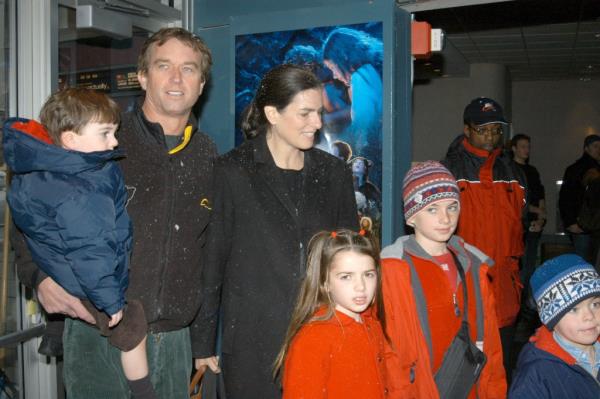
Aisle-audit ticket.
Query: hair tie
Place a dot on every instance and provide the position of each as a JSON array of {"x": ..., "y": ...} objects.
[
  {"x": 333, "y": 234},
  {"x": 362, "y": 232}
]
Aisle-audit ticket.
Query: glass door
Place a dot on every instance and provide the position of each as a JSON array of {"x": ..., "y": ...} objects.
[{"x": 10, "y": 372}]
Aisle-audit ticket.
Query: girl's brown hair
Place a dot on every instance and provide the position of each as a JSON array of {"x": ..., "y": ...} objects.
[{"x": 322, "y": 249}]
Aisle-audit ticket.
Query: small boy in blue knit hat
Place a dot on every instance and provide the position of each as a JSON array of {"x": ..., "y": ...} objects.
[{"x": 562, "y": 360}]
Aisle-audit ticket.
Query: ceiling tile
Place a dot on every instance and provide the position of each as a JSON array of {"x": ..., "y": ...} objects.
[{"x": 535, "y": 39}]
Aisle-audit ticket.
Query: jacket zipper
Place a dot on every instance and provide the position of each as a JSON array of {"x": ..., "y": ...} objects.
[{"x": 455, "y": 303}]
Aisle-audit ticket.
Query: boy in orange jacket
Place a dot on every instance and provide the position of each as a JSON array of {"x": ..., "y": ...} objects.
[{"x": 431, "y": 256}]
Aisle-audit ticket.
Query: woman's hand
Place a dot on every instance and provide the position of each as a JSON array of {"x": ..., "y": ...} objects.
[{"x": 211, "y": 362}]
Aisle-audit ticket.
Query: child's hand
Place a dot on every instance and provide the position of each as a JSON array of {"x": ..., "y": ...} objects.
[{"x": 115, "y": 319}]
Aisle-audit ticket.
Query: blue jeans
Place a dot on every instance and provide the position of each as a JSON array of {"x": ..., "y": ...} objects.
[
  {"x": 92, "y": 366},
  {"x": 583, "y": 245},
  {"x": 529, "y": 258}
]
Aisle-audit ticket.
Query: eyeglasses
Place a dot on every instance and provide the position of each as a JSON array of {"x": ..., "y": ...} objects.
[{"x": 481, "y": 131}]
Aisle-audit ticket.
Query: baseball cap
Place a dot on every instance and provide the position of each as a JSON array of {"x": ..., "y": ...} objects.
[{"x": 483, "y": 111}]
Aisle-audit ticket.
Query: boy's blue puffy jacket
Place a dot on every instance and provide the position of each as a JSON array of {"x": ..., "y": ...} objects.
[
  {"x": 71, "y": 208},
  {"x": 546, "y": 371}
]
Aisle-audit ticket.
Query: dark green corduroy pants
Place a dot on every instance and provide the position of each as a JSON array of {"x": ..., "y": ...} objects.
[{"x": 92, "y": 366}]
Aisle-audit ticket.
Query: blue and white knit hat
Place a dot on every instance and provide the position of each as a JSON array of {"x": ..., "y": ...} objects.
[
  {"x": 425, "y": 183},
  {"x": 561, "y": 283}
]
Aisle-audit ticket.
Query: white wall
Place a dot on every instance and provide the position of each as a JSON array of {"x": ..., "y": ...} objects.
[
  {"x": 557, "y": 115},
  {"x": 439, "y": 104}
]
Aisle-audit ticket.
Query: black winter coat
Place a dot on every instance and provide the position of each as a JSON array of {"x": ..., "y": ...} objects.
[
  {"x": 169, "y": 204},
  {"x": 572, "y": 189},
  {"x": 257, "y": 247}
]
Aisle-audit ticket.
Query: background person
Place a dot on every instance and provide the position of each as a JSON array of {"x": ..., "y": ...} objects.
[
  {"x": 272, "y": 194},
  {"x": 572, "y": 191},
  {"x": 536, "y": 205},
  {"x": 535, "y": 220},
  {"x": 493, "y": 203}
]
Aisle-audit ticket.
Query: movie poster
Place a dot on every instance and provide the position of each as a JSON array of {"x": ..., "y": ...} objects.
[{"x": 349, "y": 61}]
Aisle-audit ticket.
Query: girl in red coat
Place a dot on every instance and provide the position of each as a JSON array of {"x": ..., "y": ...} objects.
[{"x": 335, "y": 343}]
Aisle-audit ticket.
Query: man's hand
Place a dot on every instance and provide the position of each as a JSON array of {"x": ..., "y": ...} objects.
[
  {"x": 575, "y": 229},
  {"x": 537, "y": 225},
  {"x": 115, "y": 319},
  {"x": 56, "y": 300},
  {"x": 212, "y": 362}
]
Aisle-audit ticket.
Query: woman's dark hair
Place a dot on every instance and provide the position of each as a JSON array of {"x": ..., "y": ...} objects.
[{"x": 277, "y": 88}]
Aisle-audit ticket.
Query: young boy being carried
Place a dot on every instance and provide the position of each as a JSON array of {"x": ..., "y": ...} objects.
[
  {"x": 562, "y": 360},
  {"x": 68, "y": 198}
]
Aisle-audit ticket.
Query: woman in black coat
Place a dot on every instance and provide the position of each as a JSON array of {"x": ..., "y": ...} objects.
[{"x": 272, "y": 194}]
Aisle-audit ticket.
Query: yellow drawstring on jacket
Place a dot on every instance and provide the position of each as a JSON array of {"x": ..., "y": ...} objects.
[{"x": 187, "y": 135}]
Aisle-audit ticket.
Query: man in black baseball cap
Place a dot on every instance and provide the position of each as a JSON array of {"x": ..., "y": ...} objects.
[
  {"x": 484, "y": 123},
  {"x": 492, "y": 203}
]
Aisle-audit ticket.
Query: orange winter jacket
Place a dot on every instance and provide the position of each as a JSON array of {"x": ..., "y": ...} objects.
[
  {"x": 412, "y": 367},
  {"x": 492, "y": 201},
  {"x": 337, "y": 359}
]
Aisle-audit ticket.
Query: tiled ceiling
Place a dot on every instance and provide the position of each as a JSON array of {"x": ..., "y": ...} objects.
[{"x": 534, "y": 39}]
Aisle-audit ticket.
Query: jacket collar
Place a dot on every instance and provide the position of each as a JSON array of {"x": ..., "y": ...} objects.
[
  {"x": 544, "y": 340},
  {"x": 23, "y": 137},
  {"x": 409, "y": 245},
  {"x": 588, "y": 160},
  {"x": 478, "y": 151},
  {"x": 156, "y": 131},
  {"x": 338, "y": 317},
  {"x": 268, "y": 171},
  {"x": 262, "y": 154}
]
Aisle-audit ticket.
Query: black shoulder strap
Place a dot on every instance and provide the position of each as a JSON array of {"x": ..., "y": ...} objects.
[
  {"x": 461, "y": 273},
  {"x": 478, "y": 303}
]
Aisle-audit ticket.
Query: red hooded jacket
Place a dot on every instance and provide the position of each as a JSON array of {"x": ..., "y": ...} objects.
[
  {"x": 492, "y": 201},
  {"x": 411, "y": 368}
]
